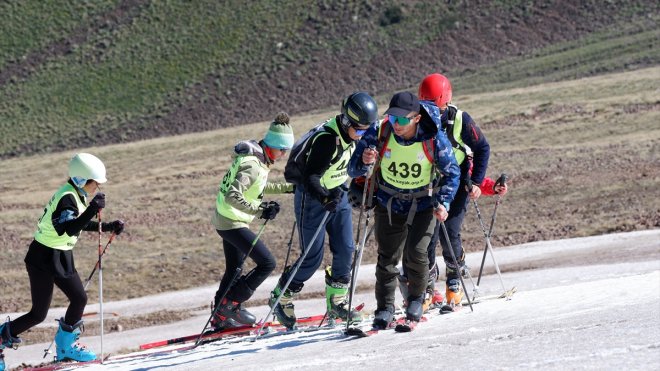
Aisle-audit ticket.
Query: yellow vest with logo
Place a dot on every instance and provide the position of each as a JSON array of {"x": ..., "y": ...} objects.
[
  {"x": 337, "y": 173},
  {"x": 46, "y": 234},
  {"x": 253, "y": 195},
  {"x": 405, "y": 167}
]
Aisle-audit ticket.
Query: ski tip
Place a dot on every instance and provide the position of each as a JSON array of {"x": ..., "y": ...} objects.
[
  {"x": 354, "y": 331},
  {"x": 446, "y": 309},
  {"x": 408, "y": 326}
]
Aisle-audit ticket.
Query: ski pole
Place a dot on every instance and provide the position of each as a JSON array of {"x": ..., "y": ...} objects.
[
  {"x": 500, "y": 181},
  {"x": 237, "y": 273},
  {"x": 292, "y": 273},
  {"x": 489, "y": 247},
  {"x": 87, "y": 282},
  {"x": 100, "y": 284},
  {"x": 357, "y": 255},
  {"x": 453, "y": 257},
  {"x": 288, "y": 251},
  {"x": 89, "y": 279}
]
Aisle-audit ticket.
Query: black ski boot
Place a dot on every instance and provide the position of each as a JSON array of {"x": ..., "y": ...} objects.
[
  {"x": 415, "y": 308},
  {"x": 383, "y": 318},
  {"x": 218, "y": 324},
  {"x": 231, "y": 310}
]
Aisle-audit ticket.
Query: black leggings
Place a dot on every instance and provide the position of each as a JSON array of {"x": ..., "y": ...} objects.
[
  {"x": 236, "y": 243},
  {"x": 41, "y": 288}
]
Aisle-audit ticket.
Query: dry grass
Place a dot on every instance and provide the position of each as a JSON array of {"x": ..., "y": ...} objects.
[{"x": 583, "y": 156}]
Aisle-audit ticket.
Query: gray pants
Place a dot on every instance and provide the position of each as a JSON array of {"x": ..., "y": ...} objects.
[{"x": 400, "y": 240}]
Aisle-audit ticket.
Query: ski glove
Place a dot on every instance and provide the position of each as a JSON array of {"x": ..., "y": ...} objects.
[
  {"x": 98, "y": 202},
  {"x": 270, "y": 210},
  {"x": 330, "y": 203},
  {"x": 116, "y": 226}
]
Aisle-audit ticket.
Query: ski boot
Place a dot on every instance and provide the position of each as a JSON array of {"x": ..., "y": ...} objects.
[
  {"x": 432, "y": 297},
  {"x": 217, "y": 324},
  {"x": 383, "y": 318},
  {"x": 336, "y": 293},
  {"x": 66, "y": 344},
  {"x": 454, "y": 291},
  {"x": 284, "y": 311},
  {"x": 231, "y": 310},
  {"x": 415, "y": 308},
  {"x": 6, "y": 341}
]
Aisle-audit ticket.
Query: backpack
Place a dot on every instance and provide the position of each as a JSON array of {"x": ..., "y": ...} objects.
[{"x": 295, "y": 165}]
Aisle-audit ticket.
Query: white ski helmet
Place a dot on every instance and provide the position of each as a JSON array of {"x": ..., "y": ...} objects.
[{"x": 84, "y": 166}]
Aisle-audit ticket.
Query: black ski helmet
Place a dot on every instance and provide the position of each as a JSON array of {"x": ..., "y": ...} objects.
[{"x": 359, "y": 109}]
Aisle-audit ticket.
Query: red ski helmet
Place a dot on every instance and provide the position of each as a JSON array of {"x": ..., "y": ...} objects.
[{"x": 437, "y": 88}]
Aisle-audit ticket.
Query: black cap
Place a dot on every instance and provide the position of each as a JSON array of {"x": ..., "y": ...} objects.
[{"x": 402, "y": 104}]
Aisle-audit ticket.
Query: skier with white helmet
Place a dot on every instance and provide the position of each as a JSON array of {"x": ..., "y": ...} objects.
[{"x": 49, "y": 260}]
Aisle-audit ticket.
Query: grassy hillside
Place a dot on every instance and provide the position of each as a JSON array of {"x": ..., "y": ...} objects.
[
  {"x": 583, "y": 161},
  {"x": 97, "y": 72}
]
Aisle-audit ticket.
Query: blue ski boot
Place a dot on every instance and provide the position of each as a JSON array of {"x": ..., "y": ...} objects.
[
  {"x": 6, "y": 341},
  {"x": 66, "y": 344}
]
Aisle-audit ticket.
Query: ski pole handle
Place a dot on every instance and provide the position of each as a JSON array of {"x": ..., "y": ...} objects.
[
  {"x": 370, "y": 167},
  {"x": 501, "y": 180}
]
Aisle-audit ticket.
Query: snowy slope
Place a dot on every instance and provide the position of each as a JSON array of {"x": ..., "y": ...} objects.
[{"x": 579, "y": 314}]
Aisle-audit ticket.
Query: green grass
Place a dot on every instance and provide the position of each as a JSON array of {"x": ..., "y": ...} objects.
[
  {"x": 172, "y": 46},
  {"x": 622, "y": 48},
  {"x": 120, "y": 77},
  {"x": 28, "y": 26}
]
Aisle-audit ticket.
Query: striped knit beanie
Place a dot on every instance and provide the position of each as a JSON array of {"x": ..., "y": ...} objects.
[{"x": 280, "y": 134}]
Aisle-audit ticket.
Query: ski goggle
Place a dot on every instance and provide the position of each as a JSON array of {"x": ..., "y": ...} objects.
[
  {"x": 403, "y": 121},
  {"x": 359, "y": 129},
  {"x": 359, "y": 132}
]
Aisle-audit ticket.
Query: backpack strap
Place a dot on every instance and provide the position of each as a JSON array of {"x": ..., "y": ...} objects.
[{"x": 451, "y": 118}]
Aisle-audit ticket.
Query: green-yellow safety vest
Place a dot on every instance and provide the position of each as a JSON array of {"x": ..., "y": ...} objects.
[
  {"x": 454, "y": 135},
  {"x": 337, "y": 173},
  {"x": 46, "y": 234},
  {"x": 405, "y": 167},
  {"x": 253, "y": 195}
]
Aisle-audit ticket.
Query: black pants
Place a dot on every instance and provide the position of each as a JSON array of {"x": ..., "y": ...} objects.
[
  {"x": 401, "y": 241},
  {"x": 236, "y": 243},
  {"x": 41, "y": 287}
]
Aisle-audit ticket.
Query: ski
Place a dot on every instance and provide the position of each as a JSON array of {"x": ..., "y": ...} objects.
[
  {"x": 505, "y": 295},
  {"x": 360, "y": 332},
  {"x": 235, "y": 331},
  {"x": 446, "y": 309},
  {"x": 406, "y": 326},
  {"x": 60, "y": 365}
]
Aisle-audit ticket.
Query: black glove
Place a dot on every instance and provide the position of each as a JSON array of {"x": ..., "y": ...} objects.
[
  {"x": 270, "y": 210},
  {"x": 116, "y": 226},
  {"x": 98, "y": 202},
  {"x": 330, "y": 203}
]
